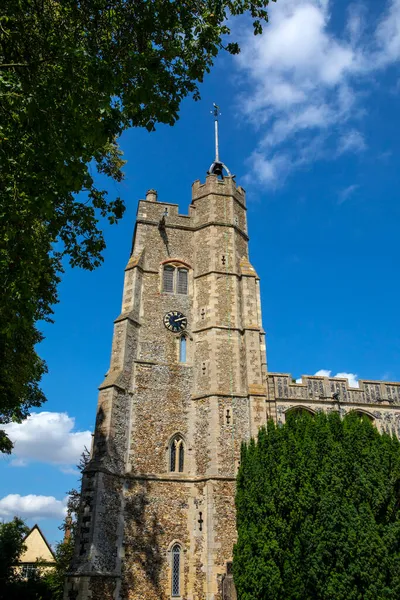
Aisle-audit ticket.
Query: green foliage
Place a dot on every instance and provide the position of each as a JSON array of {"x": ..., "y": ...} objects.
[
  {"x": 318, "y": 512},
  {"x": 73, "y": 76},
  {"x": 11, "y": 546},
  {"x": 55, "y": 579},
  {"x": 12, "y": 585},
  {"x": 33, "y": 588}
]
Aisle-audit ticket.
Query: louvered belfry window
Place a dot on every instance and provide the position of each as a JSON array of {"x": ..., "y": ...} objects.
[
  {"x": 176, "y": 571},
  {"x": 175, "y": 280},
  {"x": 168, "y": 279},
  {"x": 182, "y": 284}
]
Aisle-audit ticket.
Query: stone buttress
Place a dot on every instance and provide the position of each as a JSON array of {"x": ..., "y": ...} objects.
[{"x": 155, "y": 526}]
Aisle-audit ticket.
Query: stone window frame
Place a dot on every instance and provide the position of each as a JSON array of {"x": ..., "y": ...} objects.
[
  {"x": 363, "y": 413},
  {"x": 177, "y": 265},
  {"x": 177, "y": 453},
  {"x": 170, "y": 549},
  {"x": 189, "y": 348},
  {"x": 300, "y": 408},
  {"x": 183, "y": 344}
]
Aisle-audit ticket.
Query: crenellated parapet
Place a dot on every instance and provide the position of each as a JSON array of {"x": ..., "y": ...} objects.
[
  {"x": 378, "y": 400},
  {"x": 213, "y": 185},
  {"x": 333, "y": 389}
]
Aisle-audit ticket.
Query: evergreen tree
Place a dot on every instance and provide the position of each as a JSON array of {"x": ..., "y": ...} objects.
[{"x": 318, "y": 512}]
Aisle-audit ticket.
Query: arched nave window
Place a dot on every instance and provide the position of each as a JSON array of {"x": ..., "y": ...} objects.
[
  {"x": 298, "y": 411},
  {"x": 363, "y": 415}
]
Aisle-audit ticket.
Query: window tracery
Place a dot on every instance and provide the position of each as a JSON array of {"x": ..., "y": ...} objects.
[{"x": 177, "y": 455}]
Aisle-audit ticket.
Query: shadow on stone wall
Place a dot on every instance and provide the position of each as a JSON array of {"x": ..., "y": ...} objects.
[
  {"x": 110, "y": 452},
  {"x": 143, "y": 555},
  {"x": 105, "y": 455}
]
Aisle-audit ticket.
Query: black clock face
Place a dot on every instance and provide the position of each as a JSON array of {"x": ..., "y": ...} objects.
[{"x": 175, "y": 321}]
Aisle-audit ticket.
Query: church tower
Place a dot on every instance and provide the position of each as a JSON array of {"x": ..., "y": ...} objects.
[{"x": 186, "y": 384}]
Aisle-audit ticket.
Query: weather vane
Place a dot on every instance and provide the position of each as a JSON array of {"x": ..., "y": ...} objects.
[{"x": 217, "y": 167}]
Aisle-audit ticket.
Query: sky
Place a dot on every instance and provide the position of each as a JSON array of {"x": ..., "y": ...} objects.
[{"x": 310, "y": 127}]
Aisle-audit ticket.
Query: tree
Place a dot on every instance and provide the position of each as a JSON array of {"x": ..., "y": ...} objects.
[
  {"x": 55, "y": 579},
  {"x": 13, "y": 586},
  {"x": 73, "y": 76},
  {"x": 12, "y": 536},
  {"x": 318, "y": 512}
]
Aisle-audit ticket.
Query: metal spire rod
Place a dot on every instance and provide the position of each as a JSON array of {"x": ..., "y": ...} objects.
[
  {"x": 216, "y": 114},
  {"x": 217, "y": 167}
]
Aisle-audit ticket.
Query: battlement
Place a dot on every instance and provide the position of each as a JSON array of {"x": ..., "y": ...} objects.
[
  {"x": 152, "y": 210},
  {"x": 283, "y": 387},
  {"x": 212, "y": 185}
]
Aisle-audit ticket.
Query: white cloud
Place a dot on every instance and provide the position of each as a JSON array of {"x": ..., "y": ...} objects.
[
  {"x": 351, "y": 141},
  {"x": 302, "y": 80},
  {"x": 388, "y": 35},
  {"x": 347, "y": 192},
  {"x": 32, "y": 507},
  {"x": 47, "y": 437},
  {"x": 323, "y": 373},
  {"x": 352, "y": 377},
  {"x": 269, "y": 171}
]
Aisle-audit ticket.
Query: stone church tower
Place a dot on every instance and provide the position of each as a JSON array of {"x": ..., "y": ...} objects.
[{"x": 187, "y": 384}]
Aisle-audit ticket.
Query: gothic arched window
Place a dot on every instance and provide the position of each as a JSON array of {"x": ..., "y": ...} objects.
[
  {"x": 175, "y": 279},
  {"x": 363, "y": 415},
  {"x": 176, "y": 455},
  {"x": 299, "y": 411},
  {"x": 176, "y": 571}
]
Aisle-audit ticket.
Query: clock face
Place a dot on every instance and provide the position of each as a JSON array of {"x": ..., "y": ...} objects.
[{"x": 175, "y": 321}]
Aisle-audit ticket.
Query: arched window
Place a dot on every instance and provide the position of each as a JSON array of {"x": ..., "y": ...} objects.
[
  {"x": 177, "y": 455},
  {"x": 363, "y": 415},
  {"x": 182, "y": 349},
  {"x": 175, "y": 280},
  {"x": 299, "y": 411},
  {"x": 176, "y": 571}
]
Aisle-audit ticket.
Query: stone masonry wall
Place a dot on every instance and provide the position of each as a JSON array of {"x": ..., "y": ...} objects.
[
  {"x": 138, "y": 508},
  {"x": 379, "y": 400}
]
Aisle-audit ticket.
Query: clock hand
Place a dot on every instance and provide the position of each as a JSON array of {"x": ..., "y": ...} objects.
[{"x": 180, "y": 319}]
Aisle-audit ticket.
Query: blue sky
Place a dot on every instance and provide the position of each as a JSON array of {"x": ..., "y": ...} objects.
[{"x": 310, "y": 127}]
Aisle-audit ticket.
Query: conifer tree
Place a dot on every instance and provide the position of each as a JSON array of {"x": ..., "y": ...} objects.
[{"x": 318, "y": 512}]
